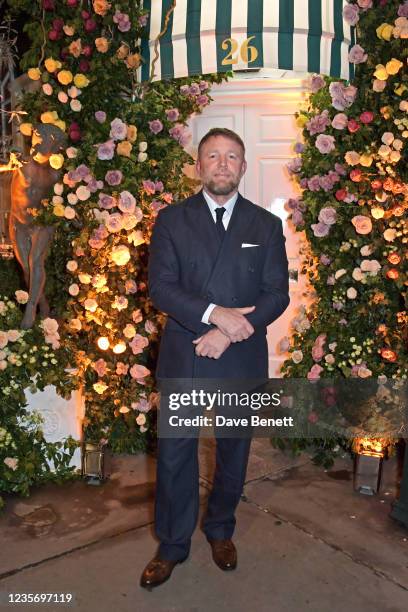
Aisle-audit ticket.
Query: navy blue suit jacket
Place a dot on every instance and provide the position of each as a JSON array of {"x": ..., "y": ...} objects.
[{"x": 189, "y": 267}]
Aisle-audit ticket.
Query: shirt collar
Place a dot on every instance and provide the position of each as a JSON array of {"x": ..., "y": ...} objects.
[{"x": 229, "y": 205}]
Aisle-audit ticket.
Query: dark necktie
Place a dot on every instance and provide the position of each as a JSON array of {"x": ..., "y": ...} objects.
[{"x": 219, "y": 224}]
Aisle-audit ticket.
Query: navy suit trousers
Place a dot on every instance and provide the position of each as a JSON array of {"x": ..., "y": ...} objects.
[{"x": 177, "y": 494}]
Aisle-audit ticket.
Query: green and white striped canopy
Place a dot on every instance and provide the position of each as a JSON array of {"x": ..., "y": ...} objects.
[{"x": 207, "y": 36}]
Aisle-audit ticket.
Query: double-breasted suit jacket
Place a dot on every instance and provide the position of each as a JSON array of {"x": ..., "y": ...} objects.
[{"x": 191, "y": 267}]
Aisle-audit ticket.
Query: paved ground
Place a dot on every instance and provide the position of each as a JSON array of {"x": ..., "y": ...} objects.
[{"x": 305, "y": 540}]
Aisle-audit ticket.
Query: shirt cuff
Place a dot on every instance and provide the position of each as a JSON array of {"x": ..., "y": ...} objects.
[{"x": 207, "y": 313}]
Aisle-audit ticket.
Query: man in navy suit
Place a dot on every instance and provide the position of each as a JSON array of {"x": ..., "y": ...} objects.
[{"x": 218, "y": 268}]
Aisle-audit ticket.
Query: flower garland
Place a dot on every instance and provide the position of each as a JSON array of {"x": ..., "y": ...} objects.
[
  {"x": 123, "y": 164},
  {"x": 352, "y": 169}
]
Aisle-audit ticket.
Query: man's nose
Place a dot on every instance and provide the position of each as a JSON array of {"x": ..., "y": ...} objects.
[{"x": 223, "y": 161}]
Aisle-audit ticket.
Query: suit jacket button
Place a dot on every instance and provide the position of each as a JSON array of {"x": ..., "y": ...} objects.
[
  {"x": 210, "y": 295},
  {"x": 234, "y": 299}
]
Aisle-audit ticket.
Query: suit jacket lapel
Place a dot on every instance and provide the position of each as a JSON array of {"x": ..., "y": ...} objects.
[
  {"x": 220, "y": 255},
  {"x": 201, "y": 218},
  {"x": 240, "y": 221}
]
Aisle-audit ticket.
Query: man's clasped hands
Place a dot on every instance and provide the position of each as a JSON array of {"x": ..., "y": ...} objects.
[{"x": 231, "y": 326}]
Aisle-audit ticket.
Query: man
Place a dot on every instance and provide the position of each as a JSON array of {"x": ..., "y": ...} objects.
[{"x": 218, "y": 269}]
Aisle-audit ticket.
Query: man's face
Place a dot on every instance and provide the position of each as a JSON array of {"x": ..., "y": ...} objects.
[{"x": 221, "y": 165}]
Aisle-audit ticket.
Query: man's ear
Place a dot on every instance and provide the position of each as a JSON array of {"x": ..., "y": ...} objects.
[
  {"x": 244, "y": 167},
  {"x": 198, "y": 166}
]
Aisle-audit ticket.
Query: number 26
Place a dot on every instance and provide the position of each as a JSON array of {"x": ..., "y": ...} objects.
[{"x": 248, "y": 52}]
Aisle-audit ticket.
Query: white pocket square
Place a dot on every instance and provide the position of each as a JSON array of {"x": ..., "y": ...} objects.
[{"x": 246, "y": 245}]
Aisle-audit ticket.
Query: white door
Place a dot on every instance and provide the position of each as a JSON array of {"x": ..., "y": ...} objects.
[{"x": 262, "y": 113}]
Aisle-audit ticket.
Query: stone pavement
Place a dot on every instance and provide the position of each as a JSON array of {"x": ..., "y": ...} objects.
[{"x": 306, "y": 542}]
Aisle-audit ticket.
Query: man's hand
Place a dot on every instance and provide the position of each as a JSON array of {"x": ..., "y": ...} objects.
[
  {"x": 212, "y": 344},
  {"x": 232, "y": 322}
]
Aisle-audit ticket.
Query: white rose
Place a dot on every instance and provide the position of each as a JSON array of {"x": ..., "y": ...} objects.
[
  {"x": 366, "y": 250},
  {"x": 75, "y": 105},
  {"x": 141, "y": 419},
  {"x": 72, "y": 265},
  {"x": 71, "y": 152},
  {"x": 72, "y": 199},
  {"x": 142, "y": 146},
  {"x": 73, "y": 289},
  {"x": 297, "y": 356},
  {"x": 142, "y": 157},
  {"x": 340, "y": 273},
  {"x": 387, "y": 138},
  {"x": 351, "y": 293}
]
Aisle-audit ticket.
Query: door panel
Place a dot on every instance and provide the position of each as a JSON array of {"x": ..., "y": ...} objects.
[{"x": 265, "y": 120}]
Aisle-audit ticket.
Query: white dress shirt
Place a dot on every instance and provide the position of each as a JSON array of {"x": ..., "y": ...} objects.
[{"x": 229, "y": 207}]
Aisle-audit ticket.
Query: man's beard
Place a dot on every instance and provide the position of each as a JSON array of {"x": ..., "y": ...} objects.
[{"x": 223, "y": 188}]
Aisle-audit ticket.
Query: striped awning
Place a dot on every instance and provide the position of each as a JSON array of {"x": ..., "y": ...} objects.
[{"x": 207, "y": 36}]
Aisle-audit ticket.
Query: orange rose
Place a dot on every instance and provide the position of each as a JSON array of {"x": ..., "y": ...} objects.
[
  {"x": 394, "y": 258},
  {"x": 75, "y": 47},
  {"x": 124, "y": 148},
  {"x": 392, "y": 274},
  {"x": 131, "y": 133},
  {"x": 398, "y": 210},
  {"x": 388, "y": 355},
  {"x": 102, "y": 44},
  {"x": 398, "y": 187},
  {"x": 101, "y": 7},
  {"x": 122, "y": 52},
  {"x": 133, "y": 61}
]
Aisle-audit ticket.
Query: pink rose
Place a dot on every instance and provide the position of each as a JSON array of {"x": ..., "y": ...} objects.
[
  {"x": 127, "y": 202},
  {"x": 121, "y": 368},
  {"x": 339, "y": 121},
  {"x": 150, "y": 327},
  {"x": 317, "y": 353},
  {"x": 138, "y": 344},
  {"x": 139, "y": 371},
  {"x": 325, "y": 143},
  {"x": 314, "y": 372},
  {"x": 362, "y": 224},
  {"x": 50, "y": 326},
  {"x": 365, "y": 4}
]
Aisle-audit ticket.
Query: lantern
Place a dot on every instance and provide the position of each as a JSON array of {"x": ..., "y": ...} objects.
[
  {"x": 93, "y": 463},
  {"x": 368, "y": 464}
]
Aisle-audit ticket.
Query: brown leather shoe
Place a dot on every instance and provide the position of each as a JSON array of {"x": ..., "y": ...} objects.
[
  {"x": 224, "y": 554},
  {"x": 157, "y": 571}
]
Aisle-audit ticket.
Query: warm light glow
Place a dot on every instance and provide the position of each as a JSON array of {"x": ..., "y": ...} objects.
[
  {"x": 103, "y": 343},
  {"x": 12, "y": 164},
  {"x": 120, "y": 255},
  {"x": 377, "y": 212},
  {"x": 120, "y": 347},
  {"x": 373, "y": 447}
]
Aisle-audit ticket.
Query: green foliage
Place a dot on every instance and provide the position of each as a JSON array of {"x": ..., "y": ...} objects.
[
  {"x": 80, "y": 73},
  {"x": 357, "y": 323}
]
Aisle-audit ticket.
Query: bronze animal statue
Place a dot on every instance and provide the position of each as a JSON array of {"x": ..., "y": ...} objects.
[{"x": 30, "y": 184}]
